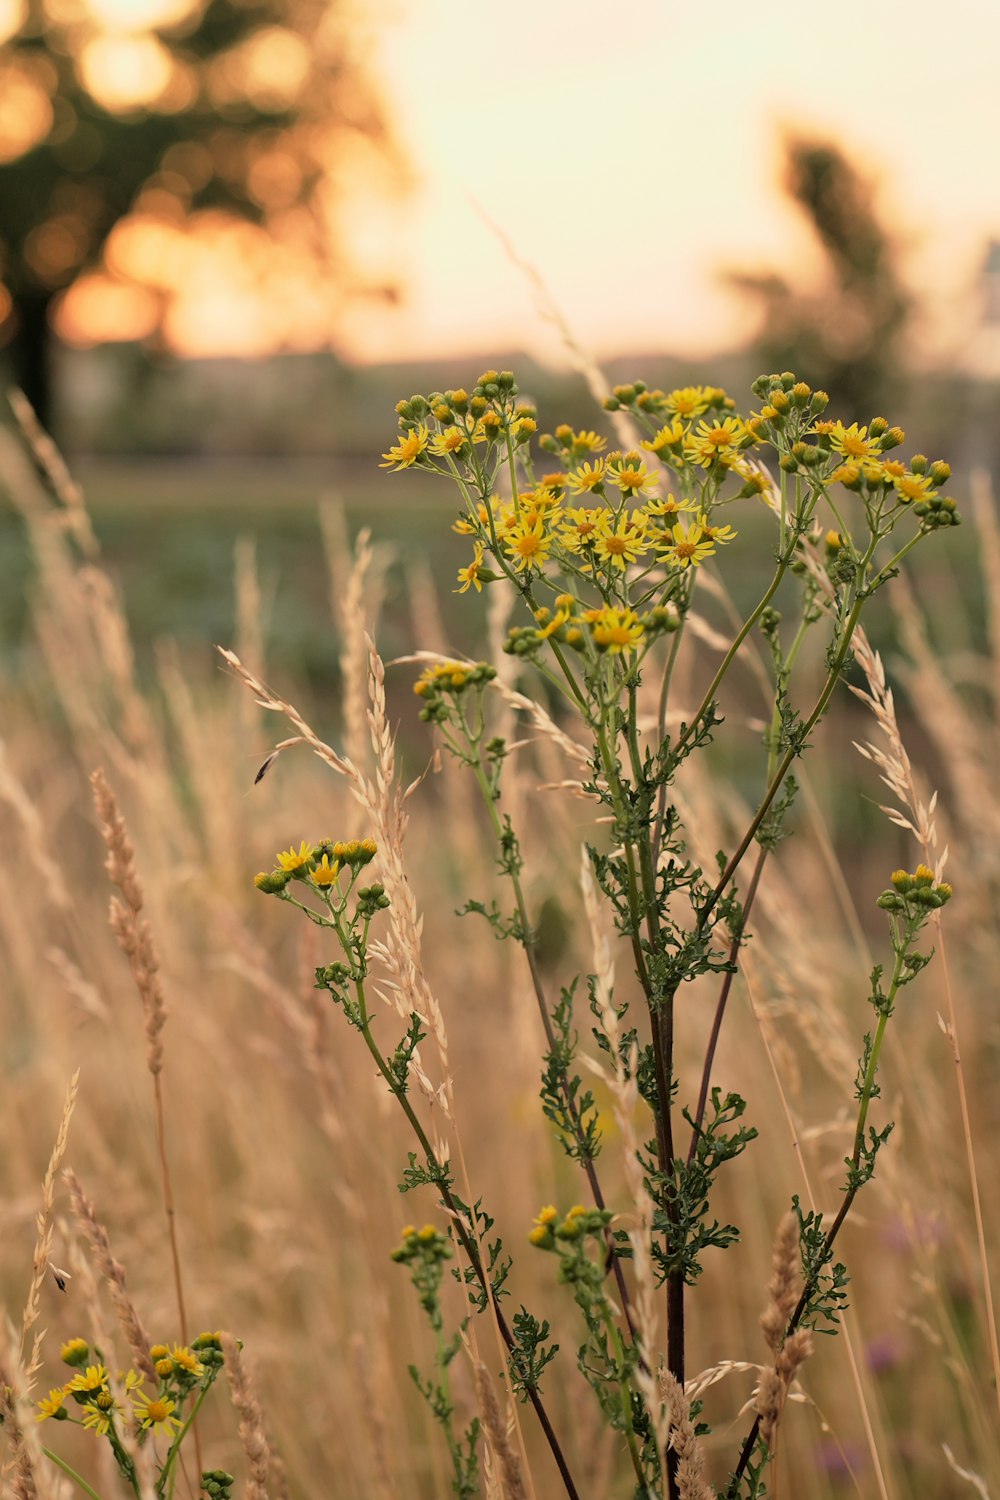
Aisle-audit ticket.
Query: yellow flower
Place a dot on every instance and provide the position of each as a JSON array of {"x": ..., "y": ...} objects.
[
  {"x": 580, "y": 528},
  {"x": 669, "y": 437},
  {"x": 716, "y": 443},
  {"x": 94, "y": 1378},
  {"x": 453, "y": 440},
  {"x": 408, "y": 450},
  {"x": 52, "y": 1405},
  {"x": 667, "y": 506},
  {"x": 687, "y": 548},
  {"x": 548, "y": 1215},
  {"x": 528, "y": 545},
  {"x": 468, "y": 576},
  {"x": 74, "y": 1352},
  {"x": 588, "y": 442},
  {"x": 622, "y": 544},
  {"x": 914, "y": 487},
  {"x": 615, "y": 630},
  {"x": 690, "y": 401},
  {"x": 96, "y": 1419},
  {"x": 323, "y": 876},
  {"x": 715, "y": 533},
  {"x": 444, "y": 674},
  {"x": 853, "y": 442},
  {"x": 293, "y": 860},
  {"x": 629, "y": 474},
  {"x": 589, "y": 477},
  {"x": 155, "y": 1414},
  {"x": 181, "y": 1355}
]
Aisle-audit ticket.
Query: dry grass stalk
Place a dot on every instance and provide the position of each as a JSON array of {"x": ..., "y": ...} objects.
[
  {"x": 19, "y": 1465},
  {"x": 691, "y": 1481},
  {"x": 936, "y": 704},
  {"x": 35, "y": 843},
  {"x": 349, "y": 588},
  {"x": 136, "y": 941},
  {"x": 625, "y": 1094},
  {"x": 785, "y": 1284},
  {"x": 129, "y": 927},
  {"x": 772, "y": 1392},
  {"x": 256, "y": 1444},
  {"x": 44, "y": 1232},
  {"x": 891, "y": 759},
  {"x": 784, "y": 1290},
  {"x": 114, "y": 1274},
  {"x": 406, "y": 984},
  {"x": 510, "y": 1474},
  {"x": 53, "y": 469}
]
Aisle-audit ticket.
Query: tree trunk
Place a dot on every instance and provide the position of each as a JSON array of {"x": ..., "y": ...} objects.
[{"x": 30, "y": 352}]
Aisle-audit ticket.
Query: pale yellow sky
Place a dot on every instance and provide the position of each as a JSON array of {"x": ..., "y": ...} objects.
[{"x": 629, "y": 151}]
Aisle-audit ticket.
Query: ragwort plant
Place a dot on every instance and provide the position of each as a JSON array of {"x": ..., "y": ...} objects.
[
  {"x": 604, "y": 551},
  {"x": 128, "y": 1416}
]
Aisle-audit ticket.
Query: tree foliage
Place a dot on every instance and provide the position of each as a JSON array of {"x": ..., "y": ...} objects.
[
  {"x": 248, "y": 103},
  {"x": 846, "y": 336}
]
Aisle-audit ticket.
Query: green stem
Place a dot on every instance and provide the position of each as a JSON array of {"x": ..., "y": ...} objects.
[
  {"x": 864, "y": 1101},
  {"x": 175, "y": 1446},
  {"x": 71, "y": 1473},
  {"x": 625, "y": 1392},
  {"x": 536, "y": 979},
  {"x": 465, "y": 1238},
  {"x": 741, "y": 635}
]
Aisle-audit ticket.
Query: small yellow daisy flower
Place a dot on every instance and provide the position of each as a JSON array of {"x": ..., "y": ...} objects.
[
  {"x": 452, "y": 441},
  {"x": 295, "y": 859},
  {"x": 468, "y": 576},
  {"x": 324, "y": 875},
  {"x": 52, "y": 1405},
  {"x": 718, "y": 442},
  {"x": 689, "y": 402},
  {"x": 588, "y": 442},
  {"x": 622, "y": 544},
  {"x": 94, "y": 1378},
  {"x": 588, "y": 477},
  {"x": 853, "y": 442},
  {"x": 182, "y": 1356},
  {"x": 615, "y": 630},
  {"x": 407, "y": 451},
  {"x": 96, "y": 1420},
  {"x": 666, "y": 506},
  {"x": 580, "y": 527},
  {"x": 528, "y": 545},
  {"x": 687, "y": 548},
  {"x": 155, "y": 1414},
  {"x": 629, "y": 474},
  {"x": 669, "y": 437},
  {"x": 914, "y": 487},
  {"x": 715, "y": 533}
]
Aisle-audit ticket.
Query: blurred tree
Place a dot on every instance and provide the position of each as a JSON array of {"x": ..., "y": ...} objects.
[
  {"x": 847, "y": 337},
  {"x": 169, "y": 107}
]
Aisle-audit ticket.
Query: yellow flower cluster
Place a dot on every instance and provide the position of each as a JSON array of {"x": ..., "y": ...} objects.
[
  {"x": 177, "y": 1367},
  {"x": 318, "y": 864}
]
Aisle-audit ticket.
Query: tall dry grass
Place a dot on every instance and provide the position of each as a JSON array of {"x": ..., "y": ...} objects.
[{"x": 284, "y": 1152}]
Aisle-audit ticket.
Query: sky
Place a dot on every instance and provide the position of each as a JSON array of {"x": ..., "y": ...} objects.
[
  {"x": 626, "y": 154},
  {"x": 630, "y": 153}
]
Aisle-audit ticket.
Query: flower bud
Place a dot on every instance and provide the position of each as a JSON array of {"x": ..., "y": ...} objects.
[{"x": 819, "y": 403}]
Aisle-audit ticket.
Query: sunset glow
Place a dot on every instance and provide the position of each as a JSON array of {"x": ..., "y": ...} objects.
[{"x": 625, "y": 165}]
